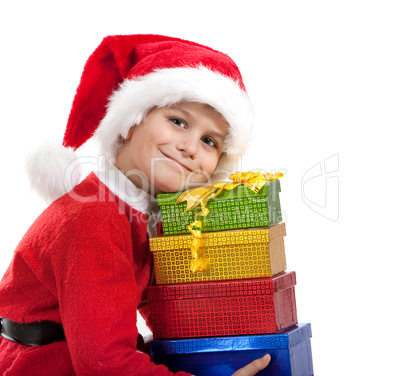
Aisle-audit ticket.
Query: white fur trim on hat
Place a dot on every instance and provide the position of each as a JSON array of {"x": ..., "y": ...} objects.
[
  {"x": 135, "y": 97},
  {"x": 52, "y": 171}
]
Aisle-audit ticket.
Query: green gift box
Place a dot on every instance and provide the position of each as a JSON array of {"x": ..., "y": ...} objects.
[{"x": 239, "y": 208}]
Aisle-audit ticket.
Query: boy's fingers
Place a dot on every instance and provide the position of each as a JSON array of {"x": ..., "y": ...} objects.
[{"x": 254, "y": 367}]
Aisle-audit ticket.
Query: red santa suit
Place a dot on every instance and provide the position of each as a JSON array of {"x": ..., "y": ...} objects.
[{"x": 85, "y": 263}]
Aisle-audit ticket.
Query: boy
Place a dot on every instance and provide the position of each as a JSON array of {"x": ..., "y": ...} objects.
[{"x": 167, "y": 114}]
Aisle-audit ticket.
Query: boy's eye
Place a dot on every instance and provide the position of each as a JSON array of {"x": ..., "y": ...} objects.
[
  {"x": 178, "y": 122},
  {"x": 209, "y": 141}
]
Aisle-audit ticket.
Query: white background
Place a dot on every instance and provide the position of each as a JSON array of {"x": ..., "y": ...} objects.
[{"x": 325, "y": 78}]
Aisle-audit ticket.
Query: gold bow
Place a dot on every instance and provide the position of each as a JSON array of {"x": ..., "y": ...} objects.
[{"x": 201, "y": 195}]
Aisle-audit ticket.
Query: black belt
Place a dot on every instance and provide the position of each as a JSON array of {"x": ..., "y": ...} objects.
[{"x": 32, "y": 334}]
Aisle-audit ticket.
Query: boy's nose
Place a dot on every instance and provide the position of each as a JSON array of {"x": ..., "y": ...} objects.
[{"x": 188, "y": 146}]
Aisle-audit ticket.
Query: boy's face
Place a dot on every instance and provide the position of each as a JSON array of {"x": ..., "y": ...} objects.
[{"x": 174, "y": 148}]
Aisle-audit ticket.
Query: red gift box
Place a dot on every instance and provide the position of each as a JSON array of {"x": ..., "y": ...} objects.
[{"x": 237, "y": 307}]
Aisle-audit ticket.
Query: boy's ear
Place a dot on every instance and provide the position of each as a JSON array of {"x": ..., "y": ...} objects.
[{"x": 129, "y": 134}]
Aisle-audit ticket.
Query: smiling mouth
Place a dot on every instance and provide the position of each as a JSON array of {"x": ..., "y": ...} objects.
[{"x": 176, "y": 162}]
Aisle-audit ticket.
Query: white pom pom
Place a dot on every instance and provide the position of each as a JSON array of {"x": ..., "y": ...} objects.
[{"x": 52, "y": 171}]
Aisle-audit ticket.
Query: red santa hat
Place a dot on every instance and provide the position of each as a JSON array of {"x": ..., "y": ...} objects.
[{"x": 128, "y": 75}]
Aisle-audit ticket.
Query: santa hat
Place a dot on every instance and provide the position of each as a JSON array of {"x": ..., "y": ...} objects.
[{"x": 128, "y": 75}]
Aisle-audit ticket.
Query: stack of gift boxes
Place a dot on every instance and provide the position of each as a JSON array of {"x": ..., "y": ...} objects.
[{"x": 242, "y": 305}]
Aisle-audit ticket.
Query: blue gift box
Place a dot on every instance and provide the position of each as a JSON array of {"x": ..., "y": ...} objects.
[{"x": 221, "y": 356}]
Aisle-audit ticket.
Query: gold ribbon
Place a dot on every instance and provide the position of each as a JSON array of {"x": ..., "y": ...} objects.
[{"x": 201, "y": 195}]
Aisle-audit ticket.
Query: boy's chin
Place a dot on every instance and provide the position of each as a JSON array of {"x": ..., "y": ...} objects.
[
  {"x": 170, "y": 186},
  {"x": 179, "y": 182}
]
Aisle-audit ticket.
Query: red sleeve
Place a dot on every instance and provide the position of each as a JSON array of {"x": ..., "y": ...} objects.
[{"x": 98, "y": 296}]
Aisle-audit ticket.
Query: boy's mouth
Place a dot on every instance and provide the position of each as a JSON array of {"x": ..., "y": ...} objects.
[{"x": 176, "y": 162}]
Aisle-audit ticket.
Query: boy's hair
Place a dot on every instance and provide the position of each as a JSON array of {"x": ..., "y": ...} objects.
[{"x": 128, "y": 75}]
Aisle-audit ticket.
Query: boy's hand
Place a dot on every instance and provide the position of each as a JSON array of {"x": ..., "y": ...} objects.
[{"x": 254, "y": 367}]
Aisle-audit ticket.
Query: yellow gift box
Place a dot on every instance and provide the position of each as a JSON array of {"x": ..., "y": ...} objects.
[{"x": 237, "y": 254}]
